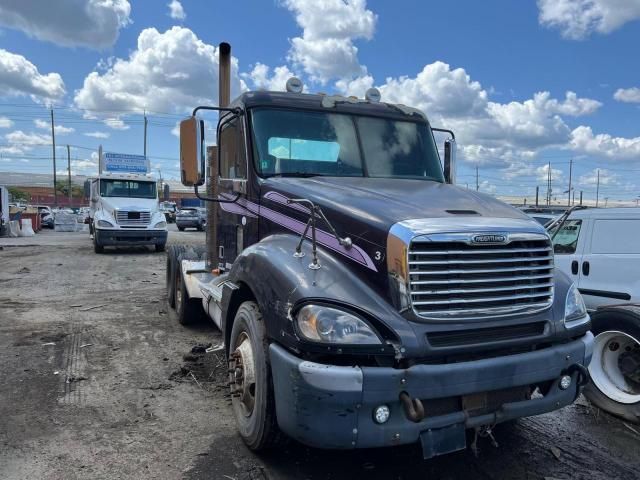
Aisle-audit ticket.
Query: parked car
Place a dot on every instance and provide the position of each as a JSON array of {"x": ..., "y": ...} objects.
[
  {"x": 47, "y": 219},
  {"x": 600, "y": 251},
  {"x": 192, "y": 217}
]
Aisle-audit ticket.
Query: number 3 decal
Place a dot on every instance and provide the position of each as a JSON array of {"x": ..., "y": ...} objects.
[{"x": 378, "y": 255}]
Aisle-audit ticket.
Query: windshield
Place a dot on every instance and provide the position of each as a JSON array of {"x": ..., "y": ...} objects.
[
  {"x": 127, "y": 188},
  {"x": 300, "y": 143}
]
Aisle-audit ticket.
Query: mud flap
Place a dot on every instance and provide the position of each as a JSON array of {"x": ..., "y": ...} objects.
[{"x": 438, "y": 441}]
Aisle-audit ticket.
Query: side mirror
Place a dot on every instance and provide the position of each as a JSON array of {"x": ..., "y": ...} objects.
[
  {"x": 450, "y": 160},
  {"x": 87, "y": 188},
  {"x": 165, "y": 192},
  {"x": 191, "y": 154}
]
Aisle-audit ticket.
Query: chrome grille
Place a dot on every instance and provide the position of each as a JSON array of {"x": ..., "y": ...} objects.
[
  {"x": 456, "y": 279},
  {"x": 133, "y": 219}
]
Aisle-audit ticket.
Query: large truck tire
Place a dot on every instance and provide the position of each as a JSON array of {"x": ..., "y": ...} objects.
[
  {"x": 188, "y": 310},
  {"x": 169, "y": 280},
  {"x": 160, "y": 247},
  {"x": 615, "y": 367},
  {"x": 252, "y": 396},
  {"x": 97, "y": 248}
]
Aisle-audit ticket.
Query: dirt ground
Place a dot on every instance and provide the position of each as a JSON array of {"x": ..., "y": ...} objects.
[{"x": 99, "y": 381}]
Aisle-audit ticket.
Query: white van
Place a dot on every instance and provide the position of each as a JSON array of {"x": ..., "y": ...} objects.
[{"x": 600, "y": 250}]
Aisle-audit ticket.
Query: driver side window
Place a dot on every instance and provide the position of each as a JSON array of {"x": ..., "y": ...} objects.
[
  {"x": 566, "y": 239},
  {"x": 233, "y": 162}
]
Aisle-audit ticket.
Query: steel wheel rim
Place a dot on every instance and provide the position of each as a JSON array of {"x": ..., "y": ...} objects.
[
  {"x": 605, "y": 367},
  {"x": 242, "y": 377}
]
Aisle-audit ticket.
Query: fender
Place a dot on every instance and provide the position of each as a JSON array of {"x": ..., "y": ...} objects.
[{"x": 284, "y": 281}]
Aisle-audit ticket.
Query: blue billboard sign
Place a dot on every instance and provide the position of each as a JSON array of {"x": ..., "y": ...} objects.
[{"x": 124, "y": 163}]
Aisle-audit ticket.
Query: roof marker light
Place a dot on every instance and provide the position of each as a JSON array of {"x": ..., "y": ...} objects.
[
  {"x": 372, "y": 95},
  {"x": 294, "y": 85}
]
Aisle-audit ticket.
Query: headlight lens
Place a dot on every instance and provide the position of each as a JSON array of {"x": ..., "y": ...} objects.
[
  {"x": 574, "y": 306},
  {"x": 160, "y": 225},
  {"x": 330, "y": 325},
  {"x": 104, "y": 223}
]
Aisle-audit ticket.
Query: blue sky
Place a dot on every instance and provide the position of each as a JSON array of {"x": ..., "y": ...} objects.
[{"x": 496, "y": 72}]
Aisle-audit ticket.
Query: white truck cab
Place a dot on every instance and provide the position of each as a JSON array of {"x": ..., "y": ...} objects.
[{"x": 125, "y": 211}]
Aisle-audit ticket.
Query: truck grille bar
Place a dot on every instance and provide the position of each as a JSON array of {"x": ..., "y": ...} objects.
[
  {"x": 133, "y": 219},
  {"x": 456, "y": 279}
]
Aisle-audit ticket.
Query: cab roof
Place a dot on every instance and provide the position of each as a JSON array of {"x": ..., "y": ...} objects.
[
  {"x": 330, "y": 103},
  {"x": 604, "y": 213}
]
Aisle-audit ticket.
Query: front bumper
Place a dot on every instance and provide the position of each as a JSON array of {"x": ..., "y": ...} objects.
[
  {"x": 330, "y": 406},
  {"x": 132, "y": 237}
]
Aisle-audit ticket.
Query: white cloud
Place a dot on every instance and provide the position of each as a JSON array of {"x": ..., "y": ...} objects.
[
  {"x": 176, "y": 11},
  {"x": 262, "y": 78},
  {"x": 326, "y": 48},
  {"x": 627, "y": 95},
  {"x": 18, "y": 76},
  {"x": 6, "y": 122},
  {"x": 97, "y": 134},
  {"x": 88, "y": 23},
  {"x": 59, "y": 129},
  {"x": 26, "y": 140},
  {"x": 116, "y": 124},
  {"x": 603, "y": 144},
  {"x": 489, "y": 132},
  {"x": 578, "y": 19},
  {"x": 170, "y": 71},
  {"x": 542, "y": 174},
  {"x": 607, "y": 177}
]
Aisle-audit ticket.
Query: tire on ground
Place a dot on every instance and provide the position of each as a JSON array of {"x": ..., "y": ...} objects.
[
  {"x": 189, "y": 310},
  {"x": 259, "y": 430},
  {"x": 625, "y": 319}
]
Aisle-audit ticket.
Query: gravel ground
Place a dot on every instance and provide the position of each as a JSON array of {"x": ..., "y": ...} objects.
[{"x": 99, "y": 381}]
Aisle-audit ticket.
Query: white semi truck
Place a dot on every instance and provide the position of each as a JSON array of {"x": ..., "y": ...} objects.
[{"x": 125, "y": 211}]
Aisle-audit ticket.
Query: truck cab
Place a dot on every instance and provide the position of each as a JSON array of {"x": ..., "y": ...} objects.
[
  {"x": 124, "y": 211},
  {"x": 364, "y": 299}
]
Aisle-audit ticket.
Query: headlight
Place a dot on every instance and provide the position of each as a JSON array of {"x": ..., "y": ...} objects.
[
  {"x": 574, "y": 307},
  {"x": 330, "y": 325},
  {"x": 160, "y": 225},
  {"x": 104, "y": 223}
]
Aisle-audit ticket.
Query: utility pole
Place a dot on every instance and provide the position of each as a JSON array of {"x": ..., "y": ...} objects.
[
  {"x": 477, "y": 183},
  {"x": 145, "y": 134},
  {"x": 69, "y": 171},
  {"x": 53, "y": 143},
  {"x": 570, "y": 172},
  {"x": 537, "y": 194},
  {"x": 598, "y": 188},
  {"x": 606, "y": 200},
  {"x": 574, "y": 197},
  {"x": 580, "y": 197},
  {"x": 549, "y": 183}
]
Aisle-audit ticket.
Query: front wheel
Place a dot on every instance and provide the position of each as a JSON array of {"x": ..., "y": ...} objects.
[
  {"x": 615, "y": 366},
  {"x": 160, "y": 247},
  {"x": 97, "y": 248},
  {"x": 250, "y": 379}
]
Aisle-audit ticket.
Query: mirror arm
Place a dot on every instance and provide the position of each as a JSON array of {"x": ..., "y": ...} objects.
[
  {"x": 450, "y": 132},
  {"x": 235, "y": 110},
  {"x": 217, "y": 200}
]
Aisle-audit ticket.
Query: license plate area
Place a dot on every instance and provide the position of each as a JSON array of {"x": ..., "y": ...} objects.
[
  {"x": 439, "y": 441},
  {"x": 475, "y": 401}
]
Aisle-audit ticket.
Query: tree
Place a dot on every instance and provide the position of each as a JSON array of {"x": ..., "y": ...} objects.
[
  {"x": 77, "y": 191},
  {"x": 18, "y": 195}
]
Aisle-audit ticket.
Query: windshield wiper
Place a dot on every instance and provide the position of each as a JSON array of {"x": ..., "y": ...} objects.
[{"x": 296, "y": 174}]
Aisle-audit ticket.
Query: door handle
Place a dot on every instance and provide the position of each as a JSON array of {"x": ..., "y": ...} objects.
[
  {"x": 574, "y": 267},
  {"x": 585, "y": 269}
]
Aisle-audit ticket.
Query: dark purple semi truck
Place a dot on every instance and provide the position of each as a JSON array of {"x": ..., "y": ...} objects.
[{"x": 365, "y": 300}]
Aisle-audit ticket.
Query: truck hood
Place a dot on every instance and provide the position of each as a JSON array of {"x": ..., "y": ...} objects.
[{"x": 366, "y": 208}]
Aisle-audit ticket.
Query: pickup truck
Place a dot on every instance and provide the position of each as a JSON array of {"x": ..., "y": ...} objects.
[{"x": 363, "y": 298}]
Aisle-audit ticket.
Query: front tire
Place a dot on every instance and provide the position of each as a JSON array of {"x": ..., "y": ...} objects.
[
  {"x": 97, "y": 248},
  {"x": 252, "y": 394},
  {"x": 615, "y": 367}
]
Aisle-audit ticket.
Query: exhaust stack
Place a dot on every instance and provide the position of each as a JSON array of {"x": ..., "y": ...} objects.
[
  {"x": 224, "y": 69},
  {"x": 224, "y": 97}
]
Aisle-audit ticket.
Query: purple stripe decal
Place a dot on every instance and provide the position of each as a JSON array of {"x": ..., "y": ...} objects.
[
  {"x": 244, "y": 207},
  {"x": 279, "y": 198}
]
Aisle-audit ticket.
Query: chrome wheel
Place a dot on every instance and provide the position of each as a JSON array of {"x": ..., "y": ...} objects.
[
  {"x": 242, "y": 375},
  {"x": 615, "y": 367}
]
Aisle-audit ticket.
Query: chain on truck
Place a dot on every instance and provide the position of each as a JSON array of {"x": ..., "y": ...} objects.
[
  {"x": 124, "y": 206},
  {"x": 365, "y": 300}
]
